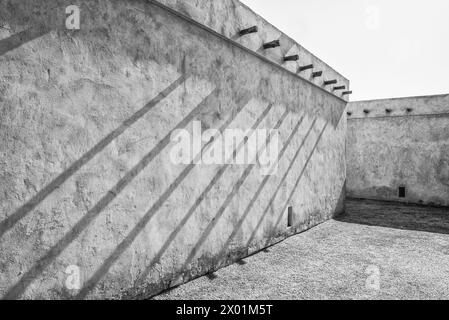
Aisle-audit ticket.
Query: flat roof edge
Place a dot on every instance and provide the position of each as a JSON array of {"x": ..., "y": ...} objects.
[{"x": 403, "y": 98}]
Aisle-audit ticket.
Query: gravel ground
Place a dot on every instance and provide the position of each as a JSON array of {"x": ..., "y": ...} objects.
[{"x": 376, "y": 250}]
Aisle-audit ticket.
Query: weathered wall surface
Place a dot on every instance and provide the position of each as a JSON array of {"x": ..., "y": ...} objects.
[
  {"x": 85, "y": 173},
  {"x": 399, "y": 143}
]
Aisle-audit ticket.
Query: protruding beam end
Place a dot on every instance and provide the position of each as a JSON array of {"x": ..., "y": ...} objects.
[
  {"x": 272, "y": 44},
  {"x": 317, "y": 74},
  {"x": 339, "y": 88},
  {"x": 253, "y": 29},
  {"x": 329, "y": 82},
  {"x": 307, "y": 67},
  {"x": 346, "y": 93},
  {"x": 292, "y": 58}
]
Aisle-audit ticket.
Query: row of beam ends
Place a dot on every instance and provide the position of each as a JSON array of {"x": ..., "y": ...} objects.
[
  {"x": 387, "y": 111},
  {"x": 317, "y": 74}
]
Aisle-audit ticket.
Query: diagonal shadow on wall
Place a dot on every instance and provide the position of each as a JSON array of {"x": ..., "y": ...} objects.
[
  {"x": 56, "y": 250},
  {"x": 221, "y": 211},
  {"x": 92, "y": 282},
  {"x": 247, "y": 210},
  {"x": 284, "y": 177},
  {"x": 20, "y": 38},
  {"x": 258, "y": 192},
  {"x": 115, "y": 255},
  {"x": 281, "y": 214},
  {"x": 302, "y": 172},
  {"x": 172, "y": 236},
  {"x": 25, "y": 209},
  {"x": 340, "y": 117}
]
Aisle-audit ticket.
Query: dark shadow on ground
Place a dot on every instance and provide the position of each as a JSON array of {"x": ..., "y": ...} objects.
[{"x": 396, "y": 215}]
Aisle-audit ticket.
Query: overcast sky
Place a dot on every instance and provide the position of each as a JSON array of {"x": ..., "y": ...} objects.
[{"x": 386, "y": 48}]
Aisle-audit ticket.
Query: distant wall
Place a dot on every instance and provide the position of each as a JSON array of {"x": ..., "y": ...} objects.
[
  {"x": 399, "y": 143},
  {"x": 86, "y": 178}
]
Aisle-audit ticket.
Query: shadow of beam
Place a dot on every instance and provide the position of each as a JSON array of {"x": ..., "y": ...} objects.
[
  {"x": 191, "y": 211},
  {"x": 300, "y": 177},
  {"x": 396, "y": 216},
  {"x": 56, "y": 250},
  {"x": 218, "y": 215},
  {"x": 25, "y": 209},
  {"x": 258, "y": 192},
  {"x": 118, "y": 251},
  {"x": 284, "y": 177},
  {"x": 20, "y": 38}
]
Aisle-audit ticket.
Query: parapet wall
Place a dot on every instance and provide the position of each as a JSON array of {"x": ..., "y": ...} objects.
[
  {"x": 399, "y": 143},
  {"x": 228, "y": 17},
  {"x": 88, "y": 188}
]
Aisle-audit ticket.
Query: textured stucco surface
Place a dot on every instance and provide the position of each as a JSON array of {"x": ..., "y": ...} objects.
[
  {"x": 85, "y": 175},
  {"x": 408, "y": 147}
]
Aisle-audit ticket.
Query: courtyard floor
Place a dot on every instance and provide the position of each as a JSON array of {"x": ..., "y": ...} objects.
[{"x": 376, "y": 250}]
